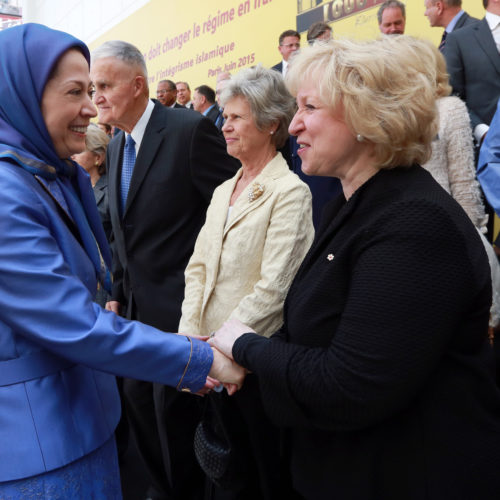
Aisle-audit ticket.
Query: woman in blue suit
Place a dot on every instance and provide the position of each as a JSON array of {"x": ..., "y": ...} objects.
[{"x": 58, "y": 407}]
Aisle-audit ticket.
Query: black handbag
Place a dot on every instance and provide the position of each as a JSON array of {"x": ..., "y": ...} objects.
[{"x": 215, "y": 445}]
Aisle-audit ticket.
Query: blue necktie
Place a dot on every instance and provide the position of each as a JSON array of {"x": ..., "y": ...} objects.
[
  {"x": 127, "y": 169},
  {"x": 443, "y": 41}
]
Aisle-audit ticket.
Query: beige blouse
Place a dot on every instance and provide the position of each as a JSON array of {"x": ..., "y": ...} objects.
[{"x": 243, "y": 268}]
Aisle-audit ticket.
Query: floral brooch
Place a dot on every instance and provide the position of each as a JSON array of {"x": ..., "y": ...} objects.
[{"x": 256, "y": 190}]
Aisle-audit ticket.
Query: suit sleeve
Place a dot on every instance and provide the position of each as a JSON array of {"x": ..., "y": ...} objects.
[
  {"x": 409, "y": 285},
  {"x": 42, "y": 301},
  {"x": 456, "y": 69},
  {"x": 210, "y": 165}
]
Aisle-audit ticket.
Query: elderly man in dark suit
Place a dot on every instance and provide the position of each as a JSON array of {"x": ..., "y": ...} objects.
[
  {"x": 447, "y": 14},
  {"x": 473, "y": 62},
  {"x": 163, "y": 167}
]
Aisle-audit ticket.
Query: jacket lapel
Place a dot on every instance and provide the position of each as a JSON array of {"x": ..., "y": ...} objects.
[
  {"x": 274, "y": 169},
  {"x": 484, "y": 37}
]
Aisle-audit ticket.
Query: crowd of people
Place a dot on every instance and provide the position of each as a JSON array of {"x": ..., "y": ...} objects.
[{"x": 307, "y": 247}]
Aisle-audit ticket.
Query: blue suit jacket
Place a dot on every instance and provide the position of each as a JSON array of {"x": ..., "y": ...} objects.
[{"x": 56, "y": 404}]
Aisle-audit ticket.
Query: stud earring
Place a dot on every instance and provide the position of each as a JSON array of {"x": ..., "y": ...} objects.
[{"x": 360, "y": 138}]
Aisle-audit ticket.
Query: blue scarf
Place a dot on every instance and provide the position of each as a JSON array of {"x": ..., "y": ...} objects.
[{"x": 28, "y": 54}]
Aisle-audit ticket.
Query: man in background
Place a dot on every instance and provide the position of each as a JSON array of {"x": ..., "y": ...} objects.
[
  {"x": 392, "y": 18},
  {"x": 166, "y": 93},
  {"x": 289, "y": 42},
  {"x": 204, "y": 102},
  {"x": 184, "y": 94},
  {"x": 447, "y": 14}
]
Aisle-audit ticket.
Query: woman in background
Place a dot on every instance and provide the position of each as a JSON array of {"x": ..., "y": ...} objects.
[{"x": 93, "y": 160}]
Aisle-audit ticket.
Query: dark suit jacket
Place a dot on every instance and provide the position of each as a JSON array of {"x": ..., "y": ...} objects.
[
  {"x": 213, "y": 113},
  {"x": 465, "y": 20},
  {"x": 180, "y": 106},
  {"x": 382, "y": 374},
  {"x": 473, "y": 63},
  {"x": 278, "y": 67},
  {"x": 182, "y": 159}
]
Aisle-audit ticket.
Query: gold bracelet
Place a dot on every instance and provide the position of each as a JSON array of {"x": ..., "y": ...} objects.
[{"x": 189, "y": 361}]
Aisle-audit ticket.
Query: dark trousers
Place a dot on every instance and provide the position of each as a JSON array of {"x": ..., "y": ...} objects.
[
  {"x": 266, "y": 475},
  {"x": 163, "y": 421}
]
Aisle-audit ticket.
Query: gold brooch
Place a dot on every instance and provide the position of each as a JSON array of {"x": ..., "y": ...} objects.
[{"x": 256, "y": 190}]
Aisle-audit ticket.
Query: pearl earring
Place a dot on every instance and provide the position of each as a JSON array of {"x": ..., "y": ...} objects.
[{"x": 360, "y": 138}]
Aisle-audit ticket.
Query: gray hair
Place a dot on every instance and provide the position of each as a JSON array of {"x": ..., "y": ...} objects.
[
  {"x": 268, "y": 97},
  {"x": 123, "y": 51},
  {"x": 391, "y": 4}
]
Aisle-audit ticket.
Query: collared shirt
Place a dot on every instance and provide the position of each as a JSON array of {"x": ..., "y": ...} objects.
[
  {"x": 284, "y": 68},
  {"x": 493, "y": 21},
  {"x": 205, "y": 113},
  {"x": 453, "y": 22},
  {"x": 140, "y": 127}
]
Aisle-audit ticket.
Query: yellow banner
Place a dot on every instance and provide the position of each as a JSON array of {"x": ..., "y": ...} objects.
[{"x": 193, "y": 40}]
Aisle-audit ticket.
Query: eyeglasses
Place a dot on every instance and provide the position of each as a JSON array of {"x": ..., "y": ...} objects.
[
  {"x": 291, "y": 45},
  {"x": 161, "y": 92}
]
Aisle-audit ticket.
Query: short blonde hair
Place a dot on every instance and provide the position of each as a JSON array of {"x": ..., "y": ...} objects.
[
  {"x": 384, "y": 98},
  {"x": 429, "y": 61}
]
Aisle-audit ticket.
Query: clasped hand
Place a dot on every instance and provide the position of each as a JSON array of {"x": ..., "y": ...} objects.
[{"x": 224, "y": 369}]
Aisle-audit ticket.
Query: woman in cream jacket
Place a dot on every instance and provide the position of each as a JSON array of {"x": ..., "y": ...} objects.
[{"x": 257, "y": 231}]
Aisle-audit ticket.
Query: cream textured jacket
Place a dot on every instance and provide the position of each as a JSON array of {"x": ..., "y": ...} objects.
[
  {"x": 452, "y": 161},
  {"x": 243, "y": 268}
]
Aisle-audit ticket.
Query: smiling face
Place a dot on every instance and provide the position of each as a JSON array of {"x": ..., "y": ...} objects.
[
  {"x": 326, "y": 145},
  {"x": 67, "y": 104},
  {"x": 244, "y": 140}
]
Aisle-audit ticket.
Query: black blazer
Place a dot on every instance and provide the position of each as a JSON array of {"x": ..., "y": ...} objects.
[
  {"x": 382, "y": 374},
  {"x": 182, "y": 159},
  {"x": 180, "y": 106},
  {"x": 473, "y": 63}
]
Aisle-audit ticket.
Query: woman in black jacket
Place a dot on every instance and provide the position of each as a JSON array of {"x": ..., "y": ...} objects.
[{"x": 382, "y": 374}]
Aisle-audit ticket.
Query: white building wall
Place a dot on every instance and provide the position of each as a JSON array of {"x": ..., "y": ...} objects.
[{"x": 85, "y": 19}]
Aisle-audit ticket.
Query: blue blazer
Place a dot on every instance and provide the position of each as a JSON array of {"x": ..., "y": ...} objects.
[{"x": 56, "y": 402}]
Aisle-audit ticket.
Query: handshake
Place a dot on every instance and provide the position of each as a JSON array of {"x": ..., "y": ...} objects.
[{"x": 225, "y": 372}]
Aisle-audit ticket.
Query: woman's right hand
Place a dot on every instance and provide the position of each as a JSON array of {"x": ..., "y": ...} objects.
[{"x": 227, "y": 371}]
